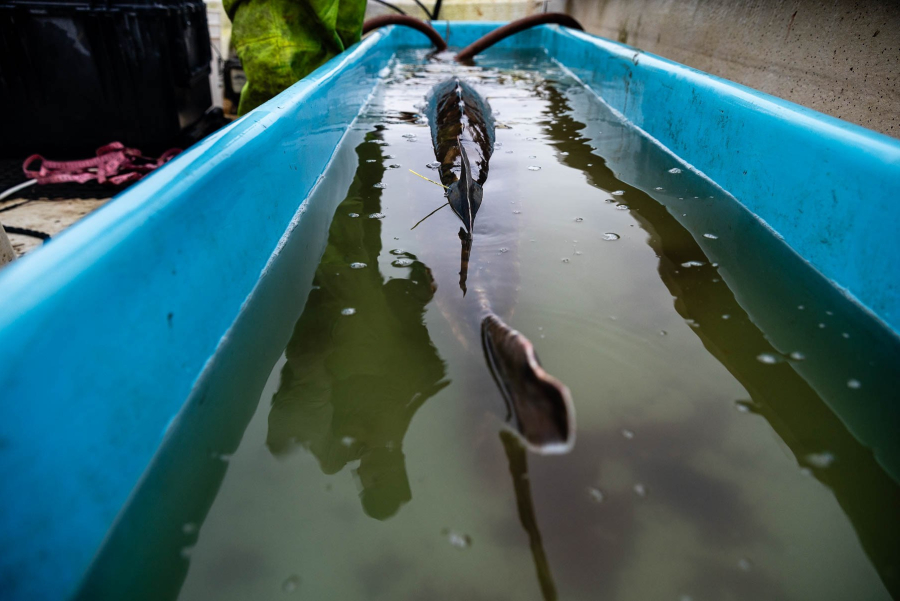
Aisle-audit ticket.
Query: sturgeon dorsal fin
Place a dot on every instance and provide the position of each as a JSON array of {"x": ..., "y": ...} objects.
[{"x": 465, "y": 187}]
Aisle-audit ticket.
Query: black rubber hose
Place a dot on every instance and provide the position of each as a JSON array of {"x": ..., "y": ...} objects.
[
  {"x": 422, "y": 26},
  {"x": 24, "y": 231},
  {"x": 485, "y": 42}
]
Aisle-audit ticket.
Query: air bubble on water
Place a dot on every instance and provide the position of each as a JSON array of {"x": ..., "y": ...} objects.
[
  {"x": 659, "y": 188},
  {"x": 610, "y": 236},
  {"x": 380, "y": 185},
  {"x": 402, "y": 262},
  {"x": 433, "y": 165},
  {"x": 675, "y": 170},
  {"x": 595, "y": 494},
  {"x": 711, "y": 236},
  {"x": 845, "y": 334},
  {"x": 627, "y": 434},
  {"x": 565, "y": 260},
  {"x": 348, "y": 441},
  {"x": 409, "y": 136},
  {"x": 821, "y": 326},
  {"x": 693, "y": 264},
  {"x": 357, "y": 265},
  {"x": 726, "y": 316},
  {"x": 797, "y": 356},
  {"x": 393, "y": 166},
  {"x": 622, "y": 207},
  {"x": 353, "y": 215},
  {"x": 398, "y": 251},
  {"x": 767, "y": 358},
  {"x": 640, "y": 490},
  {"x": 744, "y": 564},
  {"x": 829, "y": 312},
  {"x": 458, "y": 539},
  {"x": 564, "y": 154},
  {"x": 291, "y": 584},
  {"x": 579, "y": 219},
  {"x": 801, "y": 307},
  {"x": 820, "y": 460},
  {"x": 371, "y": 160},
  {"x": 376, "y": 215},
  {"x": 348, "y": 311},
  {"x": 618, "y": 193},
  {"x": 534, "y": 168},
  {"x": 854, "y": 384}
]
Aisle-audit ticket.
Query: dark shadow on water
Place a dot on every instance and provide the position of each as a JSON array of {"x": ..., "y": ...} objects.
[
  {"x": 352, "y": 383},
  {"x": 796, "y": 412}
]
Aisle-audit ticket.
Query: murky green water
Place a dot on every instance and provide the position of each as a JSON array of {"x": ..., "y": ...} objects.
[{"x": 706, "y": 362}]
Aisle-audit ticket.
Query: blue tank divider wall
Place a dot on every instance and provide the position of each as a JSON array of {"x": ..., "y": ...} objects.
[
  {"x": 829, "y": 188},
  {"x": 105, "y": 331}
]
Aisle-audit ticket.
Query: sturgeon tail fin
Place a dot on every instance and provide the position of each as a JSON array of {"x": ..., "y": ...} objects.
[{"x": 540, "y": 405}]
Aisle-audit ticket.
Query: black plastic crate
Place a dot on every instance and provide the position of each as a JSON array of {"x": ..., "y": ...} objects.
[{"x": 77, "y": 75}]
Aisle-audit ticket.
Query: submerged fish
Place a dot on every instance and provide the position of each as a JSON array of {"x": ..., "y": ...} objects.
[{"x": 462, "y": 130}]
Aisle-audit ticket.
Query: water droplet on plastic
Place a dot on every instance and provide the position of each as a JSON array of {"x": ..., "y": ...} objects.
[
  {"x": 595, "y": 494},
  {"x": 534, "y": 168},
  {"x": 854, "y": 384},
  {"x": 640, "y": 490},
  {"x": 711, "y": 236},
  {"x": 398, "y": 251},
  {"x": 797, "y": 356},
  {"x": 564, "y": 154},
  {"x": 353, "y": 215},
  {"x": 658, "y": 188},
  {"x": 627, "y": 434},
  {"x": 801, "y": 307},
  {"x": 565, "y": 260},
  {"x": 610, "y": 236},
  {"x": 498, "y": 144},
  {"x": 376, "y": 216},
  {"x": 393, "y": 166},
  {"x": 579, "y": 219},
  {"x": 693, "y": 264},
  {"x": 532, "y": 156},
  {"x": 291, "y": 584},
  {"x": 409, "y": 136},
  {"x": 348, "y": 311},
  {"x": 845, "y": 334},
  {"x": 509, "y": 152},
  {"x": 767, "y": 358},
  {"x": 348, "y": 441},
  {"x": 663, "y": 333},
  {"x": 675, "y": 170},
  {"x": 530, "y": 139},
  {"x": 726, "y": 316},
  {"x": 744, "y": 564},
  {"x": 433, "y": 165},
  {"x": 618, "y": 193},
  {"x": 357, "y": 265},
  {"x": 404, "y": 262},
  {"x": 504, "y": 250},
  {"x": 622, "y": 207},
  {"x": 371, "y": 160},
  {"x": 517, "y": 212},
  {"x": 380, "y": 185}
]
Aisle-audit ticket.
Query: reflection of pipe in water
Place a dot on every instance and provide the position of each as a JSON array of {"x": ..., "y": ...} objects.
[
  {"x": 518, "y": 468},
  {"x": 794, "y": 410}
]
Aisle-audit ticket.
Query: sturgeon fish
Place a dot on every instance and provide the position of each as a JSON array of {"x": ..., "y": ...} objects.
[{"x": 462, "y": 131}]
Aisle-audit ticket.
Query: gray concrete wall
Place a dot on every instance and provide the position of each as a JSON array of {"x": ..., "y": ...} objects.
[{"x": 840, "y": 57}]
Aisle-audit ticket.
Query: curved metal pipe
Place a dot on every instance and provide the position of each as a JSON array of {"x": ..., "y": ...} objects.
[
  {"x": 421, "y": 26},
  {"x": 485, "y": 42}
]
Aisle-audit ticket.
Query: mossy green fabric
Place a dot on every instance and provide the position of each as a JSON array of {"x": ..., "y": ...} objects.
[{"x": 282, "y": 41}]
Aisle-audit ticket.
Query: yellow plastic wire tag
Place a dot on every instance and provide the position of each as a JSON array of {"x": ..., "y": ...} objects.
[{"x": 428, "y": 180}]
